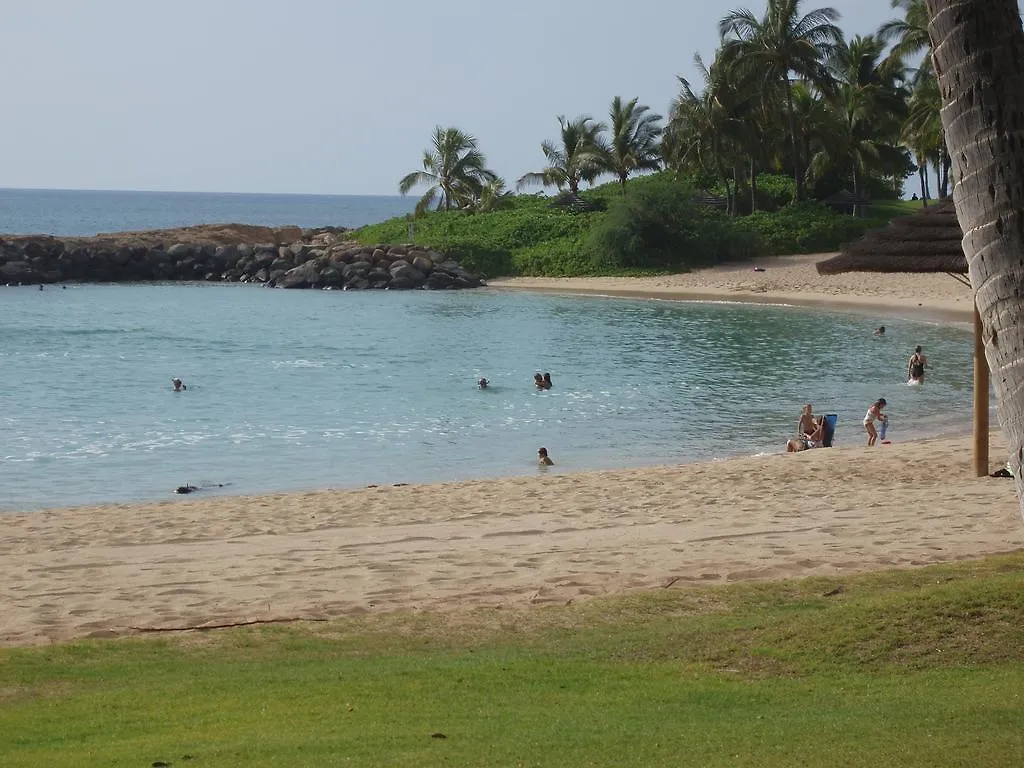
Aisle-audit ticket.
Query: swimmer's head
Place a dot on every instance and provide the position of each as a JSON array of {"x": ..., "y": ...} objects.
[{"x": 542, "y": 452}]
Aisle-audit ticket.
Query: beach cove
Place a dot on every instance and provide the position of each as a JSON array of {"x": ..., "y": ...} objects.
[{"x": 495, "y": 544}]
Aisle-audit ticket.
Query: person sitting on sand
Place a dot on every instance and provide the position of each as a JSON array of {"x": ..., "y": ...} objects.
[
  {"x": 483, "y": 383},
  {"x": 916, "y": 365},
  {"x": 810, "y": 432},
  {"x": 874, "y": 412},
  {"x": 547, "y": 381},
  {"x": 880, "y": 330},
  {"x": 178, "y": 385},
  {"x": 543, "y": 459}
]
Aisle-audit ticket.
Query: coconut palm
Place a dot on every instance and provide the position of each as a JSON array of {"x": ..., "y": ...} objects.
[
  {"x": 863, "y": 114},
  {"x": 576, "y": 160},
  {"x": 909, "y": 35},
  {"x": 455, "y": 170},
  {"x": 633, "y": 145},
  {"x": 981, "y": 77},
  {"x": 780, "y": 44},
  {"x": 704, "y": 125},
  {"x": 922, "y": 133}
]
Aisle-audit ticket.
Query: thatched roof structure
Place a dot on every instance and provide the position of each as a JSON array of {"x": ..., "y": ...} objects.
[{"x": 926, "y": 241}]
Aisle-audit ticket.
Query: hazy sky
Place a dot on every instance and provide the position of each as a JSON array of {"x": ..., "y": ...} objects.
[{"x": 323, "y": 96}]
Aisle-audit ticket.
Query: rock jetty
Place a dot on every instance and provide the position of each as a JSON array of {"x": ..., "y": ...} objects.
[{"x": 283, "y": 257}]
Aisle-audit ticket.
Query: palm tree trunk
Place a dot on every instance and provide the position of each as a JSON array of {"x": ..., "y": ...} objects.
[
  {"x": 753, "y": 184},
  {"x": 976, "y": 45},
  {"x": 924, "y": 190},
  {"x": 944, "y": 180},
  {"x": 798, "y": 176}
]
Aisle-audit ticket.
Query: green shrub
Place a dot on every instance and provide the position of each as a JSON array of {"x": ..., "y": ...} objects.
[
  {"x": 804, "y": 228},
  {"x": 658, "y": 226}
]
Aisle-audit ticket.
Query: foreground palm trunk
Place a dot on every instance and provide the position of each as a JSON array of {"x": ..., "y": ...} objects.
[{"x": 978, "y": 53}]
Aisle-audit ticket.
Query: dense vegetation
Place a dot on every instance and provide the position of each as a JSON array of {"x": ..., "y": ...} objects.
[{"x": 788, "y": 112}]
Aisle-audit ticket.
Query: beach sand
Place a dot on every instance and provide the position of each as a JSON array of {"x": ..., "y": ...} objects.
[
  {"x": 119, "y": 569},
  {"x": 553, "y": 538},
  {"x": 785, "y": 280}
]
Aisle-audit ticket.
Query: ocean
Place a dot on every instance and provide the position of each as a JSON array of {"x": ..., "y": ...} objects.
[
  {"x": 86, "y": 212},
  {"x": 293, "y": 390}
]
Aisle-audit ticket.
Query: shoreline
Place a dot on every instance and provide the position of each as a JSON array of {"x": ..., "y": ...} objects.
[
  {"x": 785, "y": 281},
  {"x": 114, "y": 570},
  {"x": 514, "y": 542}
]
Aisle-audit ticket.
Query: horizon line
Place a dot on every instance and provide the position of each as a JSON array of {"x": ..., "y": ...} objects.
[{"x": 4, "y": 188}]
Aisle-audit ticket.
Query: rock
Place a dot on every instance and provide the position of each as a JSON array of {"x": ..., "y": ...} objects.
[
  {"x": 403, "y": 270},
  {"x": 423, "y": 264},
  {"x": 179, "y": 251},
  {"x": 439, "y": 281},
  {"x": 303, "y": 276}
]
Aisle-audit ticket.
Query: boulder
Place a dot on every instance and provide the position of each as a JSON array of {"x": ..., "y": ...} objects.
[
  {"x": 403, "y": 270},
  {"x": 439, "y": 281},
  {"x": 303, "y": 276},
  {"x": 423, "y": 264}
]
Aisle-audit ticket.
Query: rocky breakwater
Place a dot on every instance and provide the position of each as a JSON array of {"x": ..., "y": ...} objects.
[{"x": 284, "y": 257}]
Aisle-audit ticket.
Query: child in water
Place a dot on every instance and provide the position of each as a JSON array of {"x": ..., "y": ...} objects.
[
  {"x": 177, "y": 384},
  {"x": 543, "y": 459}
]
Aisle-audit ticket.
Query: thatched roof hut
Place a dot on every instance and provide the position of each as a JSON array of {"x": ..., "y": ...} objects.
[{"x": 926, "y": 241}]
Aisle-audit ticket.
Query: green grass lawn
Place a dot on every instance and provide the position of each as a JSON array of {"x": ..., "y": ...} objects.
[{"x": 911, "y": 668}]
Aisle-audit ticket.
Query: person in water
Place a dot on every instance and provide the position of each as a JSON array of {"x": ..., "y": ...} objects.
[
  {"x": 547, "y": 381},
  {"x": 880, "y": 330},
  {"x": 483, "y": 383},
  {"x": 543, "y": 459},
  {"x": 538, "y": 380},
  {"x": 916, "y": 366},
  {"x": 874, "y": 412},
  {"x": 178, "y": 385}
]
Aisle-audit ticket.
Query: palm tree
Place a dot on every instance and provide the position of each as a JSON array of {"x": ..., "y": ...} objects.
[
  {"x": 703, "y": 125},
  {"x": 981, "y": 76},
  {"x": 576, "y": 160},
  {"x": 778, "y": 45},
  {"x": 863, "y": 114},
  {"x": 634, "y": 140},
  {"x": 455, "y": 170},
  {"x": 922, "y": 132},
  {"x": 909, "y": 35}
]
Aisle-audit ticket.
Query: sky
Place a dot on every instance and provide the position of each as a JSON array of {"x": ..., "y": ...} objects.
[{"x": 328, "y": 96}]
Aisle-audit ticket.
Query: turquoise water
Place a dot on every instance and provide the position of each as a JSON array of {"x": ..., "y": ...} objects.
[
  {"x": 87, "y": 212},
  {"x": 317, "y": 389}
]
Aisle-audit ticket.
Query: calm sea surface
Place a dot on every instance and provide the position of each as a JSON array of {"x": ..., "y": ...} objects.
[
  {"x": 75, "y": 212},
  {"x": 317, "y": 389}
]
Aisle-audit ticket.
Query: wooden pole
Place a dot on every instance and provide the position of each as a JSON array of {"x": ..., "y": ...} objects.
[{"x": 981, "y": 385}]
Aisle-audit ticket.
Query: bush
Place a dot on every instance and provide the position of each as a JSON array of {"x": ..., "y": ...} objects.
[
  {"x": 804, "y": 228},
  {"x": 658, "y": 226}
]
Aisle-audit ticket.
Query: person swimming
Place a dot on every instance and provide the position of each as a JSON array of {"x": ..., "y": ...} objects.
[
  {"x": 483, "y": 383},
  {"x": 178, "y": 385},
  {"x": 538, "y": 380},
  {"x": 543, "y": 459},
  {"x": 547, "y": 381},
  {"x": 880, "y": 330}
]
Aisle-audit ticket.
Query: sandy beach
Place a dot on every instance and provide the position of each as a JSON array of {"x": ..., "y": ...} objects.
[
  {"x": 501, "y": 543},
  {"x": 785, "y": 280}
]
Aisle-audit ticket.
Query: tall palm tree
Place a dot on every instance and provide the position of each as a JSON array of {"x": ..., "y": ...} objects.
[
  {"x": 633, "y": 145},
  {"x": 576, "y": 160},
  {"x": 981, "y": 76},
  {"x": 780, "y": 44},
  {"x": 922, "y": 133},
  {"x": 909, "y": 35},
  {"x": 455, "y": 170},
  {"x": 864, "y": 112},
  {"x": 704, "y": 125}
]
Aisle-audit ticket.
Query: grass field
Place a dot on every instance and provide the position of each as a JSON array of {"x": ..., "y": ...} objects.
[{"x": 911, "y": 668}]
